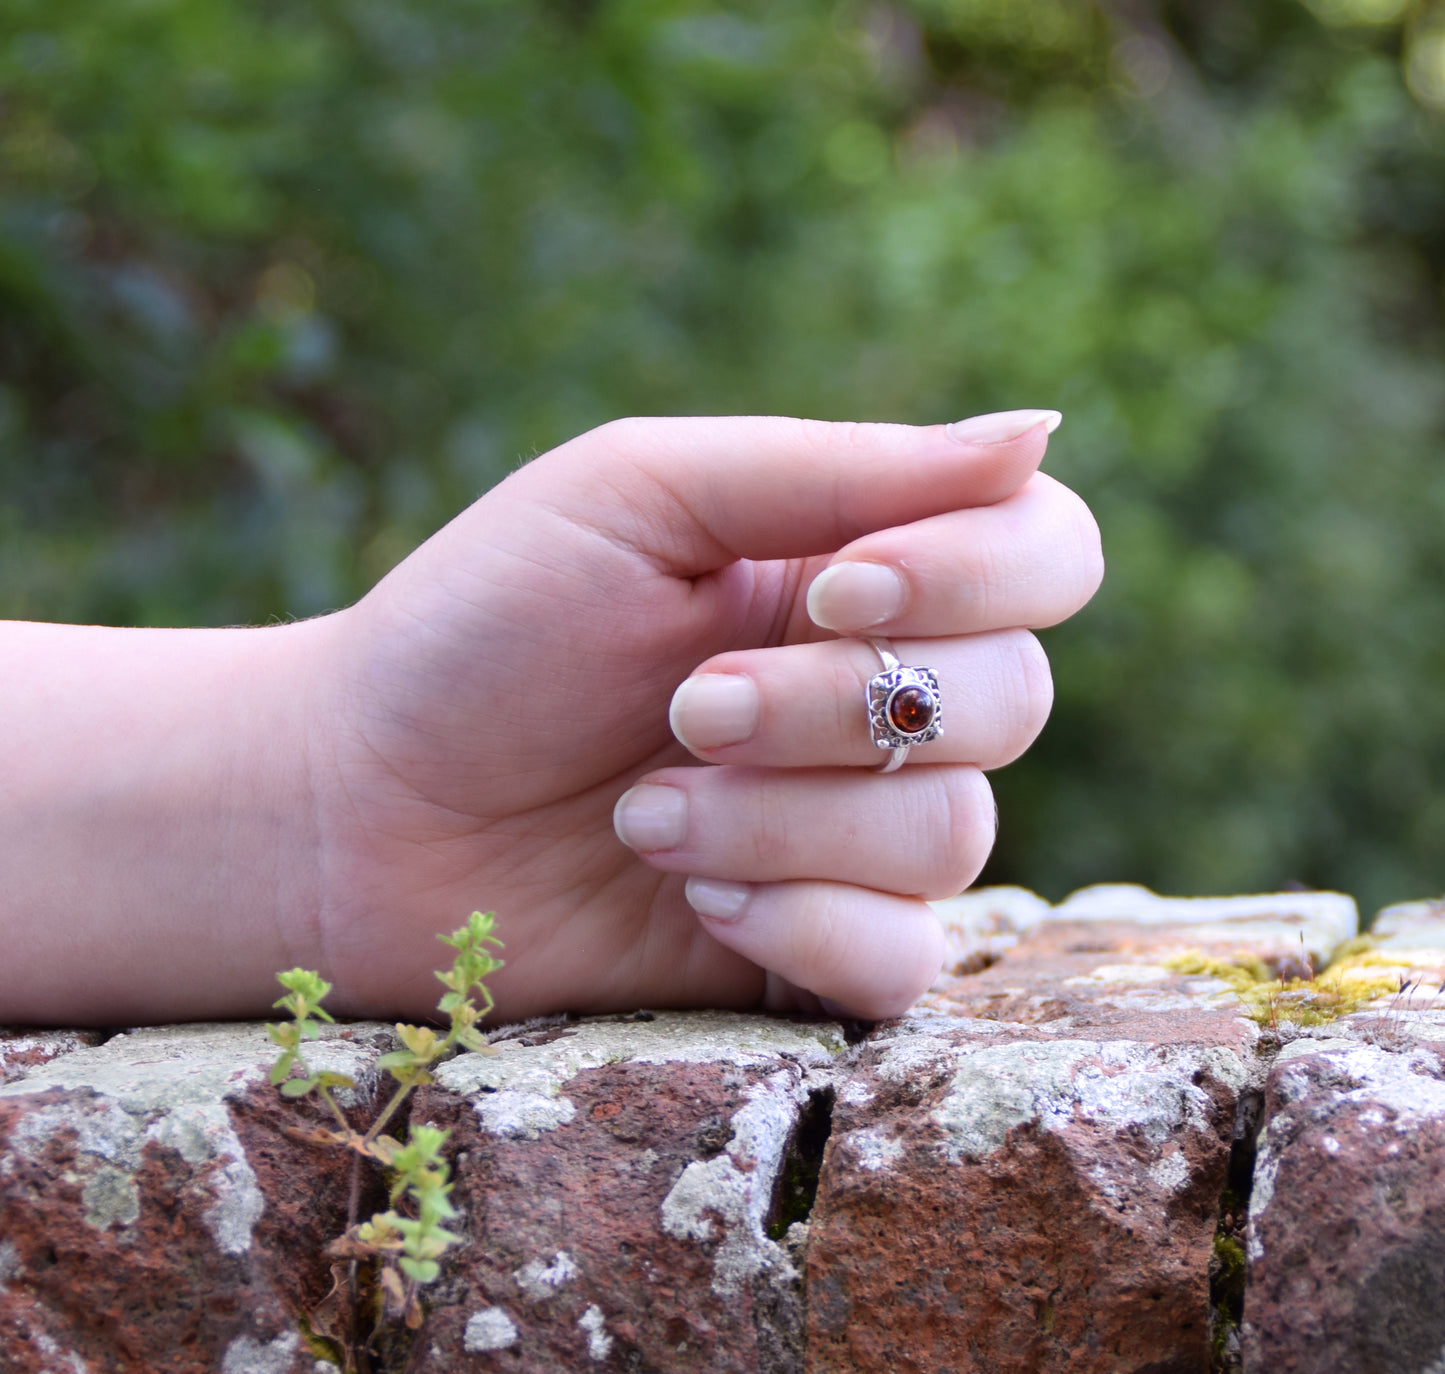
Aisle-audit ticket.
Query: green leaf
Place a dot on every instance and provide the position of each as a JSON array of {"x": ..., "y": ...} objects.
[
  {"x": 386, "y": 1148},
  {"x": 327, "y": 1079},
  {"x": 436, "y": 1207},
  {"x": 306, "y": 983},
  {"x": 428, "y": 1140},
  {"x": 297, "y": 1087},
  {"x": 380, "y": 1230},
  {"x": 420, "y": 1040},
  {"x": 423, "y": 1271},
  {"x": 397, "y": 1063}
]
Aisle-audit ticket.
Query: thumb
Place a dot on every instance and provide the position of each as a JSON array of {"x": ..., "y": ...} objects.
[{"x": 697, "y": 493}]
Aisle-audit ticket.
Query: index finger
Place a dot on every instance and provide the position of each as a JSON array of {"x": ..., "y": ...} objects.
[{"x": 695, "y": 494}]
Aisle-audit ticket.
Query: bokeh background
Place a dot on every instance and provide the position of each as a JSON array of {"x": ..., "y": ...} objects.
[{"x": 285, "y": 283}]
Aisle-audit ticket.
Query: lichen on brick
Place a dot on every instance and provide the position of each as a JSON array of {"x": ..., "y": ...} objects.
[
  {"x": 1398, "y": 1091},
  {"x": 110, "y": 1197},
  {"x": 873, "y": 1148},
  {"x": 1057, "y": 1085},
  {"x": 246, "y": 1355},
  {"x": 167, "y": 1087},
  {"x": 733, "y": 1190},
  {"x": 599, "y": 1343},
  {"x": 541, "y": 1280},
  {"x": 517, "y": 1092},
  {"x": 489, "y": 1329}
]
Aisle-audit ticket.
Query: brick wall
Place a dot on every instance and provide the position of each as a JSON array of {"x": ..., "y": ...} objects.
[{"x": 1121, "y": 1134}]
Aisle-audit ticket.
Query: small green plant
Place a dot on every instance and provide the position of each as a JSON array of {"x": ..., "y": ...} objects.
[{"x": 401, "y": 1246}]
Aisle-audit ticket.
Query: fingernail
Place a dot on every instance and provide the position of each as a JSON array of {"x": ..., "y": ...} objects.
[
  {"x": 721, "y": 901},
  {"x": 714, "y": 709},
  {"x": 852, "y": 596},
  {"x": 649, "y": 817},
  {"x": 1003, "y": 425}
]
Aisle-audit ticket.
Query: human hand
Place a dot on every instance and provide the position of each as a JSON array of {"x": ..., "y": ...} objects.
[{"x": 479, "y": 714}]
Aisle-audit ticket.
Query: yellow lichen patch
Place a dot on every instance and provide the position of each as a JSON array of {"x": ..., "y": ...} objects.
[
  {"x": 1406, "y": 961},
  {"x": 1356, "y": 944},
  {"x": 1338, "y": 991},
  {"x": 1312, "y": 1003},
  {"x": 1244, "y": 970},
  {"x": 1410, "y": 977}
]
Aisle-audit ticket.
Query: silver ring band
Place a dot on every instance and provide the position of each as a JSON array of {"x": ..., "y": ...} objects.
[{"x": 904, "y": 710}]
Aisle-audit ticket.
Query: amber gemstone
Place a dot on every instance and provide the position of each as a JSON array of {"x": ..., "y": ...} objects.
[{"x": 911, "y": 709}]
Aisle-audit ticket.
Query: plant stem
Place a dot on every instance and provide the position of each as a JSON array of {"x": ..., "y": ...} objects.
[
  {"x": 391, "y": 1107},
  {"x": 388, "y": 1111},
  {"x": 353, "y": 1207},
  {"x": 335, "y": 1109}
]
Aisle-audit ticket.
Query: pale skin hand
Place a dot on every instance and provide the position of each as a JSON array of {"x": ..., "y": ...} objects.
[{"x": 191, "y": 811}]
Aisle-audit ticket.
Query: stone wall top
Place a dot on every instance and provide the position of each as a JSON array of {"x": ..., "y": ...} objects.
[{"x": 1123, "y": 1133}]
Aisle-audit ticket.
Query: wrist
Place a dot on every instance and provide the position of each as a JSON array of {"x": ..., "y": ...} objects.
[{"x": 155, "y": 858}]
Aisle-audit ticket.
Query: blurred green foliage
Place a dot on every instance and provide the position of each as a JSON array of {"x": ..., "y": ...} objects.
[{"x": 282, "y": 286}]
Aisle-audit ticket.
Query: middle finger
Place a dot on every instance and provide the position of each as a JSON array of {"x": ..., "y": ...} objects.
[{"x": 1031, "y": 560}]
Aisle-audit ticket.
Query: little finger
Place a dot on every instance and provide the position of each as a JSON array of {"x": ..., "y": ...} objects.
[{"x": 871, "y": 952}]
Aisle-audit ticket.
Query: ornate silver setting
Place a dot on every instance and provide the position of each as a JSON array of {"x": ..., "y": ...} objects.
[{"x": 896, "y": 696}]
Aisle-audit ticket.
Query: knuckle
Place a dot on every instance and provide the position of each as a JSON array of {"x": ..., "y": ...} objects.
[
  {"x": 1077, "y": 532},
  {"x": 770, "y": 839},
  {"x": 964, "y": 806},
  {"x": 1065, "y": 544},
  {"x": 825, "y": 947},
  {"x": 992, "y": 572},
  {"x": 862, "y": 444},
  {"x": 851, "y": 669},
  {"x": 1031, "y": 692},
  {"x": 920, "y": 966},
  {"x": 824, "y": 438},
  {"x": 1091, "y": 550},
  {"x": 831, "y": 436},
  {"x": 622, "y": 434},
  {"x": 906, "y": 982},
  {"x": 631, "y": 441}
]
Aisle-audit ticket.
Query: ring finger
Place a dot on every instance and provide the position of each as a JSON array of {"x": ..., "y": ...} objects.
[{"x": 805, "y": 705}]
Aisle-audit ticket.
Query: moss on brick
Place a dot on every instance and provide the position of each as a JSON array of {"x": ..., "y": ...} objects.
[{"x": 1344, "y": 987}]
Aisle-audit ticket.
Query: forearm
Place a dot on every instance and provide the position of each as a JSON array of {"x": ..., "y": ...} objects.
[{"x": 155, "y": 860}]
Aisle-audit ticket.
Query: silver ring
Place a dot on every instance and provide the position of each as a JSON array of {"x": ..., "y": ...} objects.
[{"x": 904, "y": 708}]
